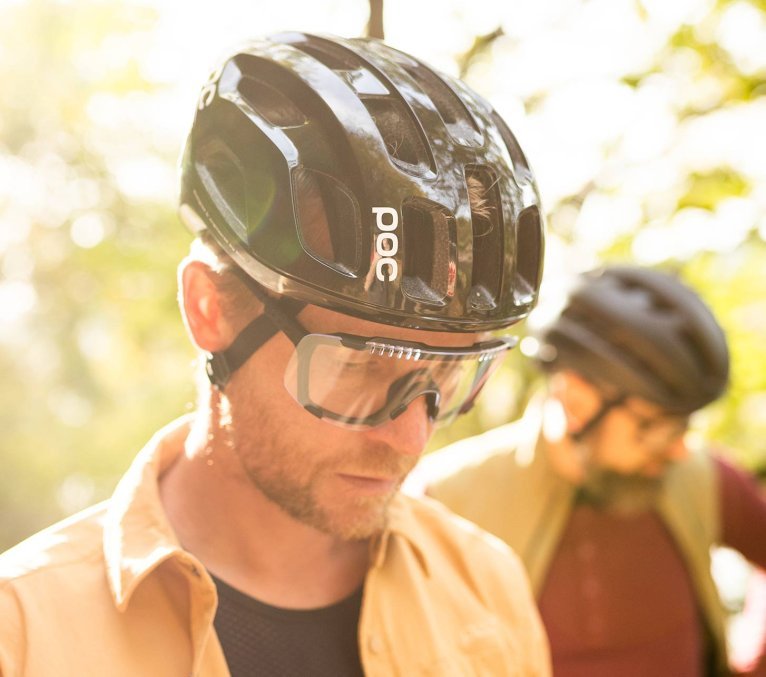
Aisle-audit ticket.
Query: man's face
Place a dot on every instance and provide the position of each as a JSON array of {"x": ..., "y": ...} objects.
[
  {"x": 335, "y": 479},
  {"x": 639, "y": 438},
  {"x": 629, "y": 452}
]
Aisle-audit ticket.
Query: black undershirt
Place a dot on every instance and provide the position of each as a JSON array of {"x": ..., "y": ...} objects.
[{"x": 260, "y": 639}]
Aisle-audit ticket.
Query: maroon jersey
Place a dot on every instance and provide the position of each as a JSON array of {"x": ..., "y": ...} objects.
[{"x": 618, "y": 599}]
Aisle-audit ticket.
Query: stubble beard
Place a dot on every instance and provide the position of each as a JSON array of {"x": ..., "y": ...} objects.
[
  {"x": 620, "y": 494},
  {"x": 278, "y": 463}
]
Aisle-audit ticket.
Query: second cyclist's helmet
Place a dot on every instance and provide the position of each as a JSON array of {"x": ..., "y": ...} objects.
[
  {"x": 336, "y": 172},
  {"x": 641, "y": 333}
]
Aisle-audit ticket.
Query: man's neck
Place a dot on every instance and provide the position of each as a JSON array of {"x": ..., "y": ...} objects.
[{"x": 248, "y": 541}]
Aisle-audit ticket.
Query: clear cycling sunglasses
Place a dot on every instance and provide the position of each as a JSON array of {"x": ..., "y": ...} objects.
[{"x": 361, "y": 382}]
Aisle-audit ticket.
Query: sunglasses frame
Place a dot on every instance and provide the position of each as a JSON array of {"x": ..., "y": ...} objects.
[{"x": 485, "y": 352}]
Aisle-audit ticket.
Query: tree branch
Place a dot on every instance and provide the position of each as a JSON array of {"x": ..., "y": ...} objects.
[{"x": 375, "y": 24}]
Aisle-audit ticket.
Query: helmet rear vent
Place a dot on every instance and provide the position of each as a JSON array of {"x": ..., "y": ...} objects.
[
  {"x": 270, "y": 103},
  {"x": 429, "y": 251},
  {"x": 529, "y": 253},
  {"x": 329, "y": 220},
  {"x": 488, "y": 245},
  {"x": 460, "y": 123},
  {"x": 400, "y": 134}
]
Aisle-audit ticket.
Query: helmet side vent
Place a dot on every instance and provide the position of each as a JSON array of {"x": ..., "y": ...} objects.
[
  {"x": 429, "y": 251},
  {"x": 270, "y": 103},
  {"x": 223, "y": 177},
  {"x": 488, "y": 245},
  {"x": 329, "y": 220},
  {"x": 529, "y": 255}
]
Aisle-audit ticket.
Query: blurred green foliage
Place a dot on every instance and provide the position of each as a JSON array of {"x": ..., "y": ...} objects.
[
  {"x": 94, "y": 355},
  {"x": 707, "y": 190},
  {"x": 100, "y": 359},
  {"x": 731, "y": 280}
]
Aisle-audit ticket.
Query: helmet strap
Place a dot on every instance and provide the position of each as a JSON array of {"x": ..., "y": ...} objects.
[{"x": 220, "y": 366}]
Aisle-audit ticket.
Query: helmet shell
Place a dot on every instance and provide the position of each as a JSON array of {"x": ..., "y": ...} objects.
[
  {"x": 643, "y": 333},
  {"x": 384, "y": 145}
]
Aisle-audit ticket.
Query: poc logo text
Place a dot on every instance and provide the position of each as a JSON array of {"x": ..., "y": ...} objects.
[{"x": 386, "y": 243}]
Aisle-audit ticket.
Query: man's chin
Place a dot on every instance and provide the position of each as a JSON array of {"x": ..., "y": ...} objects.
[
  {"x": 362, "y": 520},
  {"x": 623, "y": 495}
]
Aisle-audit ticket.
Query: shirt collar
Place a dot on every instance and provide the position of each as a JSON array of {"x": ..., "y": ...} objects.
[
  {"x": 138, "y": 536},
  {"x": 404, "y": 528}
]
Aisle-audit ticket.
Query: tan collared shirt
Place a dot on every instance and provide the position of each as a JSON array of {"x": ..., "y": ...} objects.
[{"x": 111, "y": 592}]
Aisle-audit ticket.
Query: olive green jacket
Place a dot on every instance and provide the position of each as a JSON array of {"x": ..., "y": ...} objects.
[{"x": 502, "y": 480}]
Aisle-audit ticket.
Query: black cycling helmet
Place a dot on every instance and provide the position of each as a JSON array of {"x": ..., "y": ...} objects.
[
  {"x": 335, "y": 172},
  {"x": 641, "y": 333}
]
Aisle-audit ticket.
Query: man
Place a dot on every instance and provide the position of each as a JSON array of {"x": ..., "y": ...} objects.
[
  {"x": 609, "y": 506},
  {"x": 363, "y": 223}
]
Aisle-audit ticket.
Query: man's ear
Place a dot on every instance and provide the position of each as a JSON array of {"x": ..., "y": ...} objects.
[{"x": 201, "y": 307}]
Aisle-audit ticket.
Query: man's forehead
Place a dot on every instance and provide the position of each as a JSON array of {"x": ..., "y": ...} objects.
[
  {"x": 322, "y": 320},
  {"x": 650, "y": 409}
]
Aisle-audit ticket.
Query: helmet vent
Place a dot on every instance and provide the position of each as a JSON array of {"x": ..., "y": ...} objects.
[
  {"x": 488, "y": 245},
  {"x": 223, "y": 177},
  {"x": 332, "y": 56},
  {"x": 460, "y": 123},
  {"x": 529, "y": 252},
  {"x": 400, "y": 134},
  {"x": 429, "y": 251},
  {"x": 328, "y": 218},
  {"x": 270, "y": 103}
]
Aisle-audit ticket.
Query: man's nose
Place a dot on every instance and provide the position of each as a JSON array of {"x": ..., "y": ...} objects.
[{"x": 409, "y": 432}]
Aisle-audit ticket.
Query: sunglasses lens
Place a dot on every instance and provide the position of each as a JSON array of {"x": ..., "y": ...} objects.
[{"x": 367, "y": 382}]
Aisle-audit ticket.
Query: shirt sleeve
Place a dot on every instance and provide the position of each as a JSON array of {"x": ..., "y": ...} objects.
[
  {"x": 11, "y": 633},
  {"x": 743, "y": 512}
]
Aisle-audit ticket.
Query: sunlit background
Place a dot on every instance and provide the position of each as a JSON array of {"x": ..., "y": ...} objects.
[{"x": 645, "y": 121}]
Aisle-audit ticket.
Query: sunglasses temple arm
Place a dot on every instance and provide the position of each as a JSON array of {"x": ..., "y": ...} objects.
[{"x": 606, "y": 407}]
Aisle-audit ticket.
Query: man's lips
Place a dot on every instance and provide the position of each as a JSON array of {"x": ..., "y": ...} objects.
[{"x": 370, "y": 484}]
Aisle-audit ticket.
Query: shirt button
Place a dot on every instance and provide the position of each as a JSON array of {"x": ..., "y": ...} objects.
[{"x": 375, "y": 644}]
